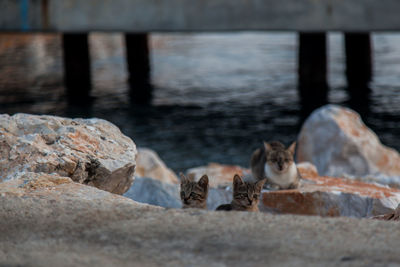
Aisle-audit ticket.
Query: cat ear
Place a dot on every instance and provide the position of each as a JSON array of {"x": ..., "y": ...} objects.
[
  {"x": 260, "y": 184},
  {"x": 292, "y": 148},
  {"x": 237, "y": 181},
  {"x": 183, "y": 178},
  {"x": 203, "y": 182},
  {"x": 267, "y": 146}
]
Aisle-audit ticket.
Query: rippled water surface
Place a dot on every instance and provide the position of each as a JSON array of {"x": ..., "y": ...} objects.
[{"x": 216, "y": 96}]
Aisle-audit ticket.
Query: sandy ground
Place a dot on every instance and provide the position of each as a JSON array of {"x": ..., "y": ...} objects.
[{"x": 38, "y": 231}]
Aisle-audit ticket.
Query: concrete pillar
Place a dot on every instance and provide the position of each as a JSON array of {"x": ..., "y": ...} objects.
[
  {"x": 312, "y": 70},
  {"x": 358, "y": 64},
  {"x": 77, "y": 74},
  {"x": 137, "y": 54}
]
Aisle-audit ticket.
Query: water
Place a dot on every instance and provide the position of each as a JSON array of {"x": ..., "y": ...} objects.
[{"x": 216, "y": 96}]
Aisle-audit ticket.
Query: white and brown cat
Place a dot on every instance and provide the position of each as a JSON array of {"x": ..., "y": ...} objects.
[{"x": 276, "y": 163}]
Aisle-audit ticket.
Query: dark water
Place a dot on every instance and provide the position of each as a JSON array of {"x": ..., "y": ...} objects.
[{"x": 216, "y": 96}]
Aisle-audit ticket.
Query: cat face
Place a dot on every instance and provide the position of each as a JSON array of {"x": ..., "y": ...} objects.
[
  {"x": 246, "y": 195},
  {"x": 278, "y": 158},
  {"x": 194, "y": 194}
]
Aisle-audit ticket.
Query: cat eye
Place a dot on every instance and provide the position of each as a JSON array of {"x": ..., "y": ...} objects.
[{"x": 255, "y": 196}]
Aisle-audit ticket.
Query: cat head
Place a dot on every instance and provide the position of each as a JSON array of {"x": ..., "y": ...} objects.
[
  {"x": 246, "y": 195},
  {"x": 194, "y": 194},
  {"x": 278, "y": 158}
]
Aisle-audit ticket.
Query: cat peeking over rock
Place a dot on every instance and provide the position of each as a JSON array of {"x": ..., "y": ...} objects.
[
  {"x": 246, "y": 195},
  {"x": 194, "y": 194},
  {"x": 275, "y": 163}
]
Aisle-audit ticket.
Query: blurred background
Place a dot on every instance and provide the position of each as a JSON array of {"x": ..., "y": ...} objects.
[{"x": 216, "y": 96}]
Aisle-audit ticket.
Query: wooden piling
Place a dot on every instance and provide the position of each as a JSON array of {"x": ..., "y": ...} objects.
[
  {"x": 138, "y": 61},
  {"x": 312, "y": 70},
  {"x": 358, "y": 64},
  {"x": 77, "y": 74}
]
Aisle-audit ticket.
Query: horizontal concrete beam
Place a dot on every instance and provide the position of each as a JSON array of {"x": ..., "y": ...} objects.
[{"x": 199, "y": 15}]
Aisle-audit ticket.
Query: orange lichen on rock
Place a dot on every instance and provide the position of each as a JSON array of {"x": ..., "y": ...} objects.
[
  {"x": 83, "y": 142},
  {"x": 46, "y": 181},
  {"x": 338, "y": 142},
  {"x": 321, "y": 195}
]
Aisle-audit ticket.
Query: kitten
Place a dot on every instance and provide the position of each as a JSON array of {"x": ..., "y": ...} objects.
[
  {"x": 246, "y": 195},
  {"x": 194, "y": 194},
  {"x": 276, "y": 164}
]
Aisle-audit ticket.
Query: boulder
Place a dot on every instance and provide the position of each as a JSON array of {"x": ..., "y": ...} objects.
[
  {"x": 329, "y": 196},
  {"x": 219, "y": 175},
  {"x": 336, "y": 140},
  {"x": 26, "y": 188},
  {"x": 89, "y": 151},
  {"x": 48, "y": 220},
  {"x": 149, "y": 164},
  {"x": 317, "y": 195},
  {"x": 154, "y": 192}
]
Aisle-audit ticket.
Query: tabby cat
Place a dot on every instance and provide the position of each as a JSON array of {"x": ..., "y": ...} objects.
[
  {"x": 194, "y": 194},
  {"x": 246, "y": 195}
]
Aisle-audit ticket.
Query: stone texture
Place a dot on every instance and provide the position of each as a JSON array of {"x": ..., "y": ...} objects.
[
  {"x": 48, "y": 220},
  {"x": 337, "y": 141},
  {"x": 329, "y": 196},
  {"x": 89, "y": 151},
  {"x": 391, "y": 216},
  {"x": 317, "y": 195},
  {"x": 149, "y": 164},
  {"x": 219, "y": 175},
  {"x": 154, "y": 192}
]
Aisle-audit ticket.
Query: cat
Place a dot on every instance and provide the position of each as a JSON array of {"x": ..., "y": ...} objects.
[
  {"x": 276, "y": 163},
  {"x": 194, "y": 194},
  {"x": 246, "y": 195}
]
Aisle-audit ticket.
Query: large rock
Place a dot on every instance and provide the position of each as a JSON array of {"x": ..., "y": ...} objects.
[
  {"x": 149, "y": 164},
  {"x": 329, "y": 196},
  {"x": 30, "y": 186},
  {"x": 317, "y": 195},
  {"x": 89, "y": 151},
  {"x": 154, "y": 192},
  {"x": 51, "y": 221},
  {"x": 337, "y": 141}
]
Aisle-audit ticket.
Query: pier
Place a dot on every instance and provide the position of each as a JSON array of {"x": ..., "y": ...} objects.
[{"x": 311, "y": 19}]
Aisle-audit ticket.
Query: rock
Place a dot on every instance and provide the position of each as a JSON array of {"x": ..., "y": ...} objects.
[
  {"x": 391, "y": 216},
  {"x": 149, "y": 164},
  {"x": 329, "y": 196},
  {"x": 27, "y": 187},
  {"x": 317, "y": 195},
  {"x": 337, "y": 141},
  {"x": 307, "y": 169},
  {"x": 154, "y": 192},
  {"x": 52, "y": 221},
  {"x": 219, "y": 175},
  {"x": 89, "y": 151}
]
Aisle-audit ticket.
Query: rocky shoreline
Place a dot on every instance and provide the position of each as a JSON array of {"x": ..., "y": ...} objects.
[{"x": 55, "y": 209}]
